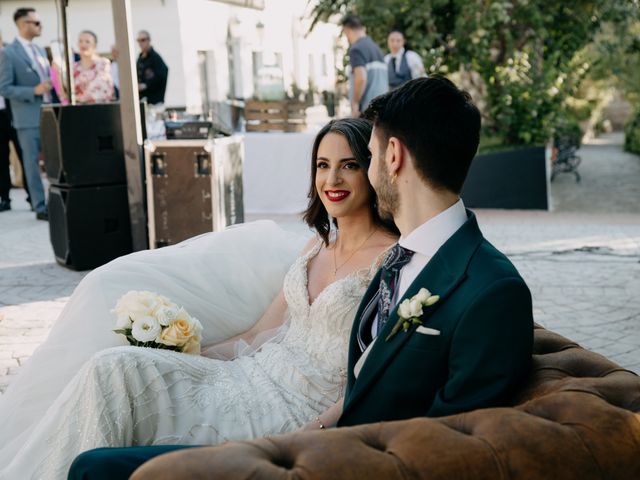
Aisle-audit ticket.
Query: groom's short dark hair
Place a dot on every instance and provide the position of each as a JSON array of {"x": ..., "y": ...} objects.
[{"x": 437, "y": 122}]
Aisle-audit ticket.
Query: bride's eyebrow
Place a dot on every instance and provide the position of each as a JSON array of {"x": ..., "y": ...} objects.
[{"x": 342, "y": 160}]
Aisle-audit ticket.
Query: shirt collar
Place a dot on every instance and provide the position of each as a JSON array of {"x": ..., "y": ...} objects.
[
  {"x": 431, "y": 235},
  {"x": 23, "y": 41}
]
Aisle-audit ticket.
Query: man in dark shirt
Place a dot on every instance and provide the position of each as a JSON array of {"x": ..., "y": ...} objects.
[
  {"x": 152, "y": 71},
  {"x": 8, "y": 135},
  {"x": 368, "y": 77}
]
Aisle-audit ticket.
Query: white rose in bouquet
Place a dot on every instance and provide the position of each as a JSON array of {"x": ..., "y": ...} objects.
[
  {"x": 146, "y": 329},
  {"x": 133, "y": 304},
  {"x": 166, "y": 314},
  {"x": 123, "y": 321}
]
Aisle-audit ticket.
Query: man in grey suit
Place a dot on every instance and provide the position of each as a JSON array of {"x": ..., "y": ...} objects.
[{"x": 24, "y": 79}]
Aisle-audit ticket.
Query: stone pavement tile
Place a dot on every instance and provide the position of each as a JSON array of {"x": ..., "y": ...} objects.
[
  {"x": 5, "y": 354},
  {"x": 23, "y": 349},
  {"x": 8, "y": 363},
  {"x": 630, "y": 360},
  {"x": 620, "y": 348}
]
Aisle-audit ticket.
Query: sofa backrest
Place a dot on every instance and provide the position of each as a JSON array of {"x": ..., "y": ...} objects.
[{"x": 561, "y": 365}]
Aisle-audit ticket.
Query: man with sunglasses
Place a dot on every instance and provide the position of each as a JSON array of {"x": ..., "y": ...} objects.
[
  {"x": 152, "y": 71},
  {"x": 25, "y": 81}
]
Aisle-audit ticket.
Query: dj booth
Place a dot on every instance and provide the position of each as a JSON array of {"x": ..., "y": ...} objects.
[{"x": 192, "y": 186}]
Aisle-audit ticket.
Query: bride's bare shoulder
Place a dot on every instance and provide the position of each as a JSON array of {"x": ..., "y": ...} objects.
[{"x": 310, "y": 244}]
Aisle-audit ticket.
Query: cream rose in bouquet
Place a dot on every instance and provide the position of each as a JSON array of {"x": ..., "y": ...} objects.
[{"x": 147, "y": 319}]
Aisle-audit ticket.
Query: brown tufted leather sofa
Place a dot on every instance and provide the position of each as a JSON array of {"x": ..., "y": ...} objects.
[{"x": 577, "y": 417}]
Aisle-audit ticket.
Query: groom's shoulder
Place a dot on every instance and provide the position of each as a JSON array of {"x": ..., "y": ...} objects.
[{"x": 488, "y": 264}]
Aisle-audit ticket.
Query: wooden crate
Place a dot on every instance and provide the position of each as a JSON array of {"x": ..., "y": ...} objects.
[
  {"x": 193, "y": 187},
  {"x": 284, "y": 116}
]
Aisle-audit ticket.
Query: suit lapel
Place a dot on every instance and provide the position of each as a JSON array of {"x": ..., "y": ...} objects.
[
  {"x": 444, "y": 272},
  {"x": 22, "y": 54}
]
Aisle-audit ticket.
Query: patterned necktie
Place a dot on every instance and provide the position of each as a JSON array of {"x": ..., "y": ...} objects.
[{"x": 397, "y": 258}]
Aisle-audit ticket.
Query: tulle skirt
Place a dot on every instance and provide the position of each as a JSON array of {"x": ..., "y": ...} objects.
[{"x": 225, "y": 279}]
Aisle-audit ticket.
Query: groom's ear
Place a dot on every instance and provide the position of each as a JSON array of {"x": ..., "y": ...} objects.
[{"x": 396, "y": 155}]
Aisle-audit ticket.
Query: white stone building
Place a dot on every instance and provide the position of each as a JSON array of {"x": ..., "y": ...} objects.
[{"x": 212, "y": 47}]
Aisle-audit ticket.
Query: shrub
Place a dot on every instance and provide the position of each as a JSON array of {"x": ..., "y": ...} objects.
[{"x": 632, "y": 135}]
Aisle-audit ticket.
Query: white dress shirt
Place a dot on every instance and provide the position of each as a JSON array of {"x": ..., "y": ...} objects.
[
  {"x": 115, "y": 73},
  {"x": 413, "y": 60},
  {"x": 26, "y": 44},
  {"x": 3, "y": 104},
  {"x": 425, "y": 241}
]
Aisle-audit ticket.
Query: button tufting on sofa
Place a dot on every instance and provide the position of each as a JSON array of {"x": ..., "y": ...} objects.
[{"x": 576, "y": 417}]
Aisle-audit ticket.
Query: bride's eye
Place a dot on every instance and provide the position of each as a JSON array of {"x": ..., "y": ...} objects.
[
  {"x": 352, "y": 166},
  {"x": 322, "y": 164}
]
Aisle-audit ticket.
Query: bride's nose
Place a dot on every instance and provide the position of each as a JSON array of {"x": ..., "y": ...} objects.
[{"x": 334, "y": 177}]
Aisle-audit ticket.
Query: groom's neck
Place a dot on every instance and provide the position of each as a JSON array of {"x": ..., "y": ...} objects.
[{"x": 419, "y": 204}]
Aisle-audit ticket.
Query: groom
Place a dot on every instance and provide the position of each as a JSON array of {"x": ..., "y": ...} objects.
[
  {"x": 467, "y": 342},
  {"x": 464, "y": 344}
]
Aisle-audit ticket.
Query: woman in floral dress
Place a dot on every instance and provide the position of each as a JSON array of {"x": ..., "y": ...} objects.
[{"x": 92, "y": 73}]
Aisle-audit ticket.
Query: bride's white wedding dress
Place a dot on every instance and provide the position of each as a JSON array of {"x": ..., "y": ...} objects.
[{"x": 136, "y": 396}]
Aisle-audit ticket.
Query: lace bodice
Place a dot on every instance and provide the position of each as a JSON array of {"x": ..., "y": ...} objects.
[{"x": 322, "y": 328}]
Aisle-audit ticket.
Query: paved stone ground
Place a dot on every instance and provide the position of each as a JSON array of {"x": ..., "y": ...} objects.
[{"x": 581, "y": 261}]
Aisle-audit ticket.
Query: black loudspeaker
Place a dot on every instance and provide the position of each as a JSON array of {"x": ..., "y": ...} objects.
[
  {"x": 82, "y": 144},
  {"x": 89, "y": 226}
]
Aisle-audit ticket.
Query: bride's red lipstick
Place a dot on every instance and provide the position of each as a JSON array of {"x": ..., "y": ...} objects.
[{"x": 337, "y": 195}]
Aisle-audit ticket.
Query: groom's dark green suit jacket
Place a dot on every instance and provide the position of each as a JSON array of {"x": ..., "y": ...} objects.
[{"x": 483, "y": 351}]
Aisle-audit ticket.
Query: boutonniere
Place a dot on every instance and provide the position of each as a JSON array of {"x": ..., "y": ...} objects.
[{"x": 410, "y": 311}]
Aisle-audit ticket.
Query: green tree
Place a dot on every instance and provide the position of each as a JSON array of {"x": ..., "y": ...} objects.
[{"x": 529, "y": 54}]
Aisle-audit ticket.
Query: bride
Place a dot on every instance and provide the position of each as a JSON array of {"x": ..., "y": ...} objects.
[{"x": 291, "y": 376}]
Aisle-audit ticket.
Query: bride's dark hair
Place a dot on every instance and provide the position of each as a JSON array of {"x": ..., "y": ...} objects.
[{"x": 357, "y": 132}]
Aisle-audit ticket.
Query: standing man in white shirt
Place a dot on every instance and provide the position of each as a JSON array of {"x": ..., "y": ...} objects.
[
  {"x": 25, "y": 81},
  {"x": 403, "y": 65}
]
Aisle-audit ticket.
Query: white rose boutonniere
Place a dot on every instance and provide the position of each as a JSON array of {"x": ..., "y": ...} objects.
[
  {"x": 410, "y": 311},
  {"x": 147, "y": 319}
]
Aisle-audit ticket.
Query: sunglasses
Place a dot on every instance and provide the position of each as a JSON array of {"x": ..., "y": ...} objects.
[
  {"x": 142, "y": 40},
  {"x": 34, "y": 22}
]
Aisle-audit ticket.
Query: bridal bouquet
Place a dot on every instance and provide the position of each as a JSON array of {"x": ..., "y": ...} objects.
[{"x": 147, "y": 319}]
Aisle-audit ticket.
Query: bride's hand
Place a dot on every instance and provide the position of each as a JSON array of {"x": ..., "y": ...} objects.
[{"x": 315, "y": 424}]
